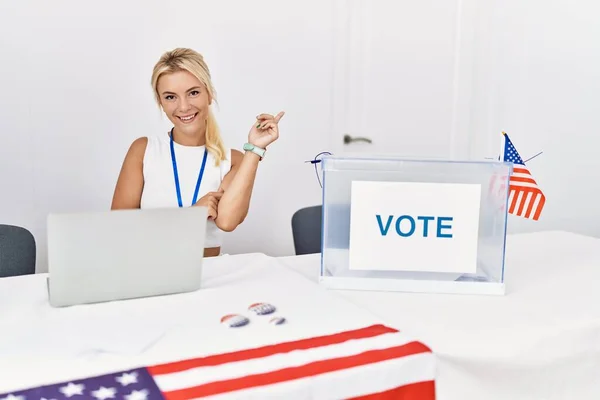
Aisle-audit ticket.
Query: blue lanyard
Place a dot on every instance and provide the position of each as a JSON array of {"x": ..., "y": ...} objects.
[{"x": 176, "y": 175}]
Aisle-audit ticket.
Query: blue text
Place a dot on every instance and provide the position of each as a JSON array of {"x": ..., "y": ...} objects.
[{"x": 406, "y": 225}]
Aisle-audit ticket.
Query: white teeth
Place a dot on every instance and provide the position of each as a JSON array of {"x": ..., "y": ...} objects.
[{"x": 187, "y": 118}]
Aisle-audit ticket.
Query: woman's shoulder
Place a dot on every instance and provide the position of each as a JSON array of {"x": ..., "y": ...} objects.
[
  {"x": 137, "y": 148},
  {"x": 140, "y": 143},
  {"x": 146, "y": 143},
  {"x": 145, "y": 146}
]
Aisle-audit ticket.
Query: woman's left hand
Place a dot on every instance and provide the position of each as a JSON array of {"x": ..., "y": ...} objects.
[{"x": 265, "y": 131}]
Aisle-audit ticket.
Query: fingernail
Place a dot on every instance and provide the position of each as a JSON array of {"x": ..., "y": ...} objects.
[{"x": 258, "y": 126}]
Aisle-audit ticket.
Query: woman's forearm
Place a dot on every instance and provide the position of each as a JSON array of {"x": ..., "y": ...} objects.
[{"x": 233, "y": 206}]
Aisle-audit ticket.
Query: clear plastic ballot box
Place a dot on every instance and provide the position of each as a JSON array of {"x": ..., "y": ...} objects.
[{"x": 410, "y": 225}]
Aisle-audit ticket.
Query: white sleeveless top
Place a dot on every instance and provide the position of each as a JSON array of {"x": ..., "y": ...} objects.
[{"x": 159, "y": 182}]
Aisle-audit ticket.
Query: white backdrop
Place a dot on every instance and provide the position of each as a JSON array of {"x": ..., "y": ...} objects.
[
  {"x": 76, "y": 92},
  {"x": 537, "y": 79}
]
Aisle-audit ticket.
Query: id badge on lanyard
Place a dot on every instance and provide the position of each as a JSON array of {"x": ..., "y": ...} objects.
[{"x": 176, "y": 174}]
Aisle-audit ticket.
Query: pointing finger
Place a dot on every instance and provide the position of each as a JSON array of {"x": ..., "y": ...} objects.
[{"x": 279, "y": 116}]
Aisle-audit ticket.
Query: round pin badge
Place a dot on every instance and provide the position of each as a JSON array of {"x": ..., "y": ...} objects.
[
  {"x": 262, "y": 308},
  {"x": 234, "y": 320},
  {"x": 277, "y": 320}
]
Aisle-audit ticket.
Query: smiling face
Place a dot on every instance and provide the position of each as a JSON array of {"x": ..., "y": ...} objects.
[{"x": 185, "y": 101}]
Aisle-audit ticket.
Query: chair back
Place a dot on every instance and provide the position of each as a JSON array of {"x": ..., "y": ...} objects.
[
  {"x": 17, "y": 251},
  {"x": 306, "y": 230}
]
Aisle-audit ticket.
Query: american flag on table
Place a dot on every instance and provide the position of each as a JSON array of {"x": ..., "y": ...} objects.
[
  {"x": 375, "y": 362},
  {"x": 526, "y": 199}
]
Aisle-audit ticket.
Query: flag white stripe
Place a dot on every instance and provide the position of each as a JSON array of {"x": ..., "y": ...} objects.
[
  {"x": 202, "y": 375},
  {"x": 531, "y": 197},
  {"x": 525, "y": 185},
  {"x": 524, "y": 174},
  {"x": 536, "y": 204},
  {"x": 532, "y": 183},
  {"x": 526, "y": 200},
  {"x": 519, "y": 196},
  {"x": 346, "y": 383}
]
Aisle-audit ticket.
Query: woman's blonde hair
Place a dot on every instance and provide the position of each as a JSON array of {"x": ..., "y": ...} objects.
[{"x": 182, "y": 59}]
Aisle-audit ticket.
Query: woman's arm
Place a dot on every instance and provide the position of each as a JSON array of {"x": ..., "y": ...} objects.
[
  {"x": 237, "y": 185},
  {"x": 128, "y": 191},
  {"x": 237, "y": 190}
]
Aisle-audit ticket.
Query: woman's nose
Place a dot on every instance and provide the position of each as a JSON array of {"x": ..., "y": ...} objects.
[{"x": 184, "y": 105}]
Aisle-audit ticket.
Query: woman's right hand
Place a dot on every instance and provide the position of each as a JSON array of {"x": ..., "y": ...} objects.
[
  {"x": 265, "y": 131},
  {"x": 211, "y": 201}
]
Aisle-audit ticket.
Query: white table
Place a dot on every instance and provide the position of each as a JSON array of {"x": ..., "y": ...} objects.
[
  {"x": 40, "y": 345},
  {"x": 539, "y": 342}
]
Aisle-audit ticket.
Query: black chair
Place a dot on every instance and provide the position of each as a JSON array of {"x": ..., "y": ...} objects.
[
  {"x": 306, "y": 230},
  {"x": 17, "y": 251}
]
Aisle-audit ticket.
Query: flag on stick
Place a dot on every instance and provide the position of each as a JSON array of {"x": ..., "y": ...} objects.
[{"x": 525, "y": 199}]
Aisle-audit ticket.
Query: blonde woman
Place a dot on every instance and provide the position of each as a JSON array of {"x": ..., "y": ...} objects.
[{"x": 190, "y": 165}]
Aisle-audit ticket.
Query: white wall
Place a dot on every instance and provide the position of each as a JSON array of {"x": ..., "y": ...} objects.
[
  {"x": 76, "y": 74},
  {"x": 538, "y": 79},
  {"x": 75, "y": 93}
]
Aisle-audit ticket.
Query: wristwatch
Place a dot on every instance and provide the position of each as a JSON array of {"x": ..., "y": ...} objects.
[{"x": 256, "y": 150}]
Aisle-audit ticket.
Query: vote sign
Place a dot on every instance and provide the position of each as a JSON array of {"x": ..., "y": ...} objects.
[{"x": 411, "y": 226}]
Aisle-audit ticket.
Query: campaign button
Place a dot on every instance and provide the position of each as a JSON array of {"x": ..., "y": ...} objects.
[
  {"x": 262, "y": 308},
  {"x": 234, "y": 320},
  {"x": 277, "y": 320}
]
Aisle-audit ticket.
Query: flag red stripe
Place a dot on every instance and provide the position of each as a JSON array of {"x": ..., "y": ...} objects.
[
  {"x": 525, "y": 180},
  {"x": 513, "y": 203},
  {"x": 540, "y": 206},
  {"x": 292, "y": 373},
  {"x": 534, "y": 197},
  {"x": 319, "y": 341},
  {"x": 414, "y": 391}
]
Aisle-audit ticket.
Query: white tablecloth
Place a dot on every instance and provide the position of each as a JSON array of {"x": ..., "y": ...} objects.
[
  {"x": 41, "y": 345},
  {"x": 539, "y": 342}
]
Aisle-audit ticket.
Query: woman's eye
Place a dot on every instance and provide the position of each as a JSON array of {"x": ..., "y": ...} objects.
[
  {"x": 194, "y": 92},
  {"x": 169, "y": 97}
]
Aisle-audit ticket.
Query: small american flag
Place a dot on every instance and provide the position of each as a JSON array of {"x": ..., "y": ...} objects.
[
  {"x": 374, "y": 362},
  {"x": 525, "y": 197}
]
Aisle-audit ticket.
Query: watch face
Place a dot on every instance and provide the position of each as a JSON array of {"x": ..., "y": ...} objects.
[{"x": 248, "y": 146}]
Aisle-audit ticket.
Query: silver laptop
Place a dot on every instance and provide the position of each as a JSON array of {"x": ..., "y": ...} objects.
[{"x": 124, "y": 254}]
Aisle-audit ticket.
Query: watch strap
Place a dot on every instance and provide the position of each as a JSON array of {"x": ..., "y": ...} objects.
[{"x": 254, "y": 149}]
